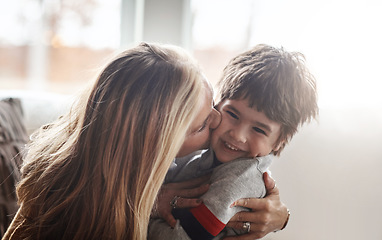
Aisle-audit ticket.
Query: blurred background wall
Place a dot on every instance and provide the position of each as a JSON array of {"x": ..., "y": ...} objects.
[{"x": 329, "y": 175}]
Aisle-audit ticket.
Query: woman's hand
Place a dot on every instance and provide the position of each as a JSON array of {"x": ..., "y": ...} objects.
[
  {"x": 268, "y": 214},
  {"x": 187, "y": 194}
]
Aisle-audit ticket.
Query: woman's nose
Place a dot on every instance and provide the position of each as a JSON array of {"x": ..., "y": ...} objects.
[{"x": 215, "y": 118}]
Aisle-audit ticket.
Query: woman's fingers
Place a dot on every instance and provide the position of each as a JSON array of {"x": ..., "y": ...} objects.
[
  {"x": 169, "y": 218},
  {"x": 180, "y": 195},
  {"x": 270, "y": 184},
  {"x": 259, "y": 217},
  {"x": 267, "y": 214},
  {"x": 187, "y": 202},
  {"x": 257, "y": 231},
  {"x": 252, "y": 203}
]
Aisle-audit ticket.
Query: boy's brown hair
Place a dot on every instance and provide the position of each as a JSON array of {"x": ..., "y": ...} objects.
[{"x": 275, "y": 82}]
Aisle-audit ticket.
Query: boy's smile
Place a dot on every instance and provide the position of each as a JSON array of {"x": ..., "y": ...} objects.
[{"x": 243, "y": 132}]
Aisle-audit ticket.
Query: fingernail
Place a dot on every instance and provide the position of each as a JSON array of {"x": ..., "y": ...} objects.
[
  {"x": 233, "y": 204},
  {"x": 173, "y": 224},
  {"x": 199, "y": 201}
]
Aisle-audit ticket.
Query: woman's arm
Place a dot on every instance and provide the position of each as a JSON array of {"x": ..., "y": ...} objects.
[{"x": 268, "y": 214}]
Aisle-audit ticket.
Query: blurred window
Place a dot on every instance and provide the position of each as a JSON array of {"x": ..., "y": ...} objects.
[
  {"x": 55, "y": 44},
  {"x": 221, "y": 30}
]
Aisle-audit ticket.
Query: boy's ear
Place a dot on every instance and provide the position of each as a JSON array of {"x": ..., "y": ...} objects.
[{"x": 278, "y": 146}]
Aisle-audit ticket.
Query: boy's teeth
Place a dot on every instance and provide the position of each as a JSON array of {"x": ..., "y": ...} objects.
[{"x": 231, "y": 147}]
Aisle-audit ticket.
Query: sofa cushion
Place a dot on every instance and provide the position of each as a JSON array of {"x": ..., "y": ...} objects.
[{"x": 13, "y": 138}]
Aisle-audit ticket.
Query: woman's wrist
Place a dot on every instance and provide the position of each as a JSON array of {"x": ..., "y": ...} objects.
[{"x": 286, "y": 221}]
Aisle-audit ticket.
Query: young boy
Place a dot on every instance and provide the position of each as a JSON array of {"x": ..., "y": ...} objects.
[{"x": 266, "y": 94}]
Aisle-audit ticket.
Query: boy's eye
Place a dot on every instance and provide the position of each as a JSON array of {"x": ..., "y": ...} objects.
[
  {"x": 259, "y": 130},
  {"x": 232, "y": 115}
]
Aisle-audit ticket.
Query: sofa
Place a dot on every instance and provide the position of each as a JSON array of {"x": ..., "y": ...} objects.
[{"x": 21, "y": 112}]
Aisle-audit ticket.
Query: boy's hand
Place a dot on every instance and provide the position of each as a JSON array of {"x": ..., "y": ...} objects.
[
  {"x": 186, "y": 193},
  {"x": 267, "y": 214}
]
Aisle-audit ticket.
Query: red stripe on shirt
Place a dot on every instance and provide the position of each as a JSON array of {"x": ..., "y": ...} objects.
[{"x": 207, "y": 219}]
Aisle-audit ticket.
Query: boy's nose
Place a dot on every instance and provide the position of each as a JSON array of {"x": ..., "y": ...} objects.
[
  {"x": 215, "y": 118},
  {"x": 239, "y": 134}
]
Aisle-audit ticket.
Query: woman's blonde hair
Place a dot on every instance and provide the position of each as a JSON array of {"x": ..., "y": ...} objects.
[{"x": 95, "y": 173}]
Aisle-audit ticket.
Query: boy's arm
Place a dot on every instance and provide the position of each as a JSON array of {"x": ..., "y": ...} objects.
[{"x": 229, "y": 182}]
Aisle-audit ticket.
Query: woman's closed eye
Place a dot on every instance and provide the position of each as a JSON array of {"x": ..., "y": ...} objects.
[{"x": 203, "y": 126}]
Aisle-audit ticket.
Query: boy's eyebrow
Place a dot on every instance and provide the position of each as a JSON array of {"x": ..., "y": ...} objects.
[{"x": 257, "y": 123}]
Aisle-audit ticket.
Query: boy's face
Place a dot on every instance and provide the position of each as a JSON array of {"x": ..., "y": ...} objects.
[{"x": 243, "y": 132}]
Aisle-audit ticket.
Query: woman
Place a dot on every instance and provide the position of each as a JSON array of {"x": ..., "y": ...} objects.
[{"x": 95, "y": 172}]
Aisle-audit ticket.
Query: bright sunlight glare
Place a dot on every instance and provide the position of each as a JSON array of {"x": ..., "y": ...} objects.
[{"x": 340, "y": 39}]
